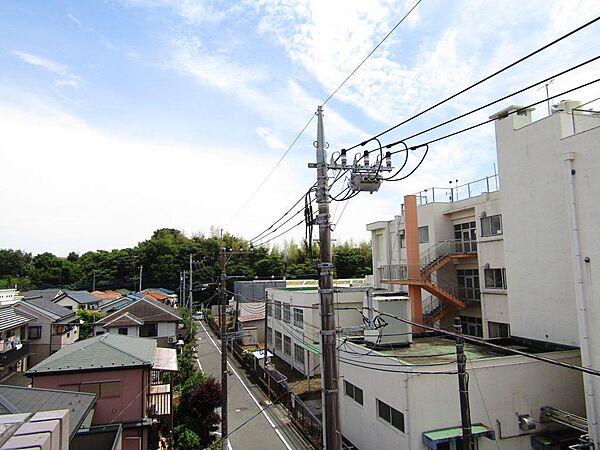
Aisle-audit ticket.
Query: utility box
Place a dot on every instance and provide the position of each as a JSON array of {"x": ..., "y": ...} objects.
[{"x": 396, "y": 332}]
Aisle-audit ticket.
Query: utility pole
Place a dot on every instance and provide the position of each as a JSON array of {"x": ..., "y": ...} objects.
[
  {"x": 463, "y": 388},
  {"x": 223, "y": 326},
  {"x": 141, "y": 268},
  {"x": 182, "y": 293},
  {"x": 329, "y": 374},
  {"x": 266, "y": 347},
  {"x": 191, "y": 300},
  {"x": 94, "y": 282}
]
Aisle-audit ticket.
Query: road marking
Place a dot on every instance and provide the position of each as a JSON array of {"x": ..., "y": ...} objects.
[{"x": 250, "y": 394}]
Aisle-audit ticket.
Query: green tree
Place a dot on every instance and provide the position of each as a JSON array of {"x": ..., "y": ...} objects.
[
  {"x": 186, "y": 438},
  {"x": 14, "y": 262},
  {"x": 88, "y": 318},
  {"x": 351, "y": 261}
]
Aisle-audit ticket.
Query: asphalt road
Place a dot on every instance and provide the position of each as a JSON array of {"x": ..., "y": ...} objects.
[{"x": 270, "y": 429}]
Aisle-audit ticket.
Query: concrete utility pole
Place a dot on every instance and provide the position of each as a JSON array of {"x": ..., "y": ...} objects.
[
  {"x": 182, "y": 293},
  {"x": 223, "y": 326},
  {"x": 94, "y": 282},
  {"x": 329, "y": 374},
  {"x": 140, "y": 286},
  {"x": 463, "y": 388},
  {"x": 190, "y": 297}
]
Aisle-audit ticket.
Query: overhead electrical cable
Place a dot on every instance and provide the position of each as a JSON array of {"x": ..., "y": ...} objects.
[
  {"x": 372, "y": 51},
  {"x": 483, "y": 80}
]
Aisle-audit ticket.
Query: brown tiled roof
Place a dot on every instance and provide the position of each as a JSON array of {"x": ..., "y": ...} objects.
[{"x": 106, "y": 295}]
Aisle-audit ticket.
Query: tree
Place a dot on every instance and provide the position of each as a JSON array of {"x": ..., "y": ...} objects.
[
  {"x": 186, "y": 438},
  {"x": 351, "y": 261},
  {"x": 88, "y": 317},
  {"x": 197, "y": 410},
  {"x": 14, "y": 262}
]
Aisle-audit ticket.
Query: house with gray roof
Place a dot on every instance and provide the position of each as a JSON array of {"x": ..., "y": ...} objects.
[
  {"x": 77, "y": 300},
  {"x": 14, "y": 344},
  {"x": 144, "y": 317},
  {"x": 55, "y": 327},
  {"x": 125, "y": 374},
  {"x": 48, "y": 294}
]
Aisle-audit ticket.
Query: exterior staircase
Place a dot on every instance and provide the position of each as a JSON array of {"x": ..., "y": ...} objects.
[{"x": 447, "y": 292}]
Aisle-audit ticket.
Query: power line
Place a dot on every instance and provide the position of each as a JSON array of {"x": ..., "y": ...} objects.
[
  {"x": 282, "y": 233},
  {"x": 372, "y": 51},
  {"x": 483, "y": 79},
  {"x": 272, "y": 170}
]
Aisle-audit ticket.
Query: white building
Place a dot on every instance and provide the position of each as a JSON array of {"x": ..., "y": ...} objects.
[
  {"x": 7, "y": 296},
  {"x": 293, "y": 322},
  {"x": 504, "y": 259}
]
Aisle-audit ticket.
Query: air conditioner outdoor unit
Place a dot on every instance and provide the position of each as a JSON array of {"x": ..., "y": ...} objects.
[{"x": 172, "y": 339}]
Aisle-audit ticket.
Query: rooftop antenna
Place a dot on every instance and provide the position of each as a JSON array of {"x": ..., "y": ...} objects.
[{"x": 545, "y": 85}]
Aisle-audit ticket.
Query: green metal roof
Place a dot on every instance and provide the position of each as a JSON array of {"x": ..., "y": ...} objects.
[
  {"x": 312, "y": 348},
  {"x": 100, "y": 352},
  {"x": 434, "y": 437}
]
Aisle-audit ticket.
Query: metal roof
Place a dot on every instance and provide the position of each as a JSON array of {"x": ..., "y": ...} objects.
[
  {"x": 108, "y": 351},
  {"x": 12, "y": 318},
  {"x": 48, "y": 294},
  {"x": 147, "y": 309},
  {"x": 49, "y": 306},
  {"x": 82, "y": 297},
  {"x": 124, "y": 320},
  {"x": 14, "y": 400}
]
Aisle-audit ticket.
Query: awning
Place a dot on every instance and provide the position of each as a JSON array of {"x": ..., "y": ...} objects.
[
  {"x": 165, "y": 359},
  {"x": 312, "y": 348},
  {"x": 260, "y": 354},
  {"x": 435, "y": 437}
]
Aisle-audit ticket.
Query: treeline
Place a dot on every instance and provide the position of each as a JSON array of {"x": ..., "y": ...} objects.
[{"x": 165, "y": 254}]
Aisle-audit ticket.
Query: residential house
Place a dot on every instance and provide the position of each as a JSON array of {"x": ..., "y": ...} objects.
[
  {"x": 163, "y": 295},
  {"x": 14, "y": 344},
  {"x": 77, "y": 300},
  {"x": 144, "y": 317},
  {"x": 54, "y": 327},
  {"x": 48, "y": 294},
  {"x": 250, "y": 320},
  {"x": 125, "y": 374},
  {"x": 515, "y": 261},
  {"x": 7, "y": 296},
  {"x": 31, "y": 401},
  {"x": 105, "y": 296},
  {"x": 293, "y": 322}
]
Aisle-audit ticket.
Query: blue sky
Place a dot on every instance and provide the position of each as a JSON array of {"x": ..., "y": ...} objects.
[{"x": 120, "y": 117}]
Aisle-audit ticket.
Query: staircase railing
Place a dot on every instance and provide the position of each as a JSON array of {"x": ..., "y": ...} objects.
[
  {"x": 444, "y": 248},
  {"x": 462, "y": 292}
]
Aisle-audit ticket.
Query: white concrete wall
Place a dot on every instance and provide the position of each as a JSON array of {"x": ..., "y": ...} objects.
[{"x": 507, "y": 385}]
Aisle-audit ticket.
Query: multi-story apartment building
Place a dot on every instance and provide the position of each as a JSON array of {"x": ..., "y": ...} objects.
[
  {"x": 293, "y": 322},
  {"x": 511, "y": 255}
]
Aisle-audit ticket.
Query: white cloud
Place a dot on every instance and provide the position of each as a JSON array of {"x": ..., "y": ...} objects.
[
  {"x": 193, "y": 11},
  {"x": 68, "y": 79},
  {"x": 270, "y": 139},
  {"x": 83, "y": 189}
]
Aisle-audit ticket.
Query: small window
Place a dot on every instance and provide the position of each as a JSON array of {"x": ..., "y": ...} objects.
[
  {"x": 497, "y": 329},
  {"x": 423, "y": 235},
  {"x": 278, "y": 340},
  {"x": 286, "y": 312},
  {"x": 99, "y": 333},
  {"x": 495, "y": 278},
  {"x": 299, "y": 353},
  {"x": 123, "y": 331},
  {"x": 287, "y": 345},
  {"x": 149, "y": 330},
  {"x": 270, "y": 335},
  {"x": 278, "y": 310},
  {"x": 402, "y": 236},
  {"x": 491, "y": 225},
  {"x": 298, "y": 318},
  {"x": 472, "y": 326},
  {"x": 35, "y": 332},
  {"x": 269, "y": 309},
  {"x": 390, "y": 415},
  {"x": 110, "y": 389},
  {"x": 355, "y": 393}
]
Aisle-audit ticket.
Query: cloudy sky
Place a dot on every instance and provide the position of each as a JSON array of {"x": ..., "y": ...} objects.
[{"x": 119, "y": 117}]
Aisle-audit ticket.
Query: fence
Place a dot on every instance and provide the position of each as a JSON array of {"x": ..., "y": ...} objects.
[{"x": 278, "y": 391}]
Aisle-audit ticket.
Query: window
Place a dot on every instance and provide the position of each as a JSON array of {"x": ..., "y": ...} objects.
[
  {"x": 497, "y": 329},
  {"x": 277, "y": 340},
  {"x": 287, "y": 345},
  {"x": 99, "y": 333},
  {"x": 495, "y": 278},
  {"x": 286, "y": 312},
  {"x": 423, "y": 235},
  {"x": 149, "y": 330},
  {"x": 123, "y": 331},
  {"x": 299, "y": 353},
  {"x": 468, "y": 284},
  {"x": 390, "y": 415},
  {"x": 355, "y": 393},
  {"x": 402, "y": 235},
  {"x": 278, "y": 310},
  {"x": 472, "y": 326},
  {"x": 104, "y": 389},
  {"x": 92, "y": 388},
  {"x": 269, "y": 308},
  {"x": 110, "y": 389},
  {"x": 491, "y": 225},
  {"x": 269, "y": 335},
  {"x": 35, "y": 332},
  {"x": 298, "y": 318}
]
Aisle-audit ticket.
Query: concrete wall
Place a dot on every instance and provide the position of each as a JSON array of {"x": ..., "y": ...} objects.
[{"x": 420, "y": 398}]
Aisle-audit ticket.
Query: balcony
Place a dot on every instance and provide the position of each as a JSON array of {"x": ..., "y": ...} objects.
[
  {"x": 14, "y": 354},
  {"x": 159, "y": 400}
]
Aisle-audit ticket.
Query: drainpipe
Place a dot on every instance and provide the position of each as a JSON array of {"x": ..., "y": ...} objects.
[
  {"x": 407, "y": 413},
  {"x": 582, "y": 311}
]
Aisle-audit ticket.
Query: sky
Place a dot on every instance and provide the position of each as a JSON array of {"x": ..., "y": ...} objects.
[{"x": 120, "y": 117}]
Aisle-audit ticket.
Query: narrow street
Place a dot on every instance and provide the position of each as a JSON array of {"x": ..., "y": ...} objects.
[{"x": 270, "y": 429}]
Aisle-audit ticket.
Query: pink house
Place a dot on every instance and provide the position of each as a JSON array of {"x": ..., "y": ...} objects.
[{"x": 124, "y": 373}]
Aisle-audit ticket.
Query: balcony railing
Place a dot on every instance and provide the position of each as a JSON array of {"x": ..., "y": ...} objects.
[
  {"x": 455, "y": 192},
  {"x": 159, "y": 400},
  {"x": 444, "y": 248},
  {"x": 10, "y": 356}
]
